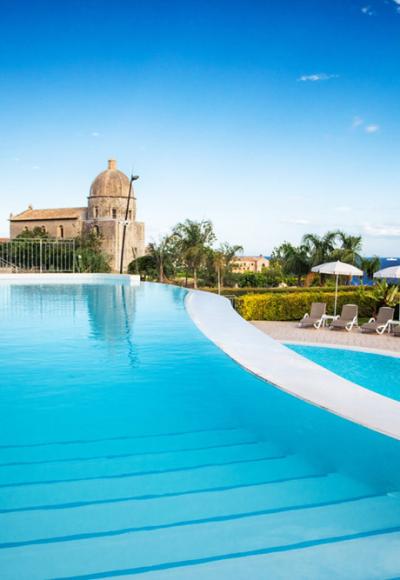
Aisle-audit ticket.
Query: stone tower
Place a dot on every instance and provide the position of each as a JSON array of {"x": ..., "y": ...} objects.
[{"x": 107, "y": 206}]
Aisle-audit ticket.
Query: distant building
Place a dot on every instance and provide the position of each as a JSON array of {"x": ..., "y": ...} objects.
[
  {"x": 249, "y": 263},
  {"x": 104, "y": 214}
]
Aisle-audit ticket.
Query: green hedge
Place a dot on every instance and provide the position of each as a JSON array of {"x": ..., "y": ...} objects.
[
  {"x": 293, "y": 305},
  {"x": 287, "y": 290}
]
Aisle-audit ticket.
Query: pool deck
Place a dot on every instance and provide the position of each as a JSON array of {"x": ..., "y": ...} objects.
[{"x": 289, "y": 332}]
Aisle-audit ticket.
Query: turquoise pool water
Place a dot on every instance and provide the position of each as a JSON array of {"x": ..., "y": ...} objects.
[
  {"x": 376, "y": 372},
  {"x": 130, "y": 445}
]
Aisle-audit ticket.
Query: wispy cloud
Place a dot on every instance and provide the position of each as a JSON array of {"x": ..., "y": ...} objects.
[
  {"x": 357, "y": 122},
  {"x": 95, "y": 134},
  {"x": 35, "y": 167},
  {"x": 343, "y": 208},
  {"x": 382, "y": 230},
  {"x": 317, "y": 77},
  {"x": 372, "y": 128},
  {"x": 367, "y": 10}
]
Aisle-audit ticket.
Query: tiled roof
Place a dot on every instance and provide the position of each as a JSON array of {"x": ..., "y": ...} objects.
[{"x": 49, "y": 214}]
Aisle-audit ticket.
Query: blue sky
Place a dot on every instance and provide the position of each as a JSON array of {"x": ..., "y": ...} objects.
[{"x": 271, "y": 118}]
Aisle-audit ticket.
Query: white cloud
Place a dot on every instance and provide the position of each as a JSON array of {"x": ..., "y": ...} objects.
[
  {"x": 382, "y": 231},
  {"x": 367, "y": 10},
  {"x": 343, "y": 208},
  {"x": 372, "y": 128},
  {"x": 397, "y": 5},
  {"x": 317, "y": 77},
  {"x": 35, "y": 167},
  {"x": 95, "y": 134},
  {"x": 357, "y": 121}
]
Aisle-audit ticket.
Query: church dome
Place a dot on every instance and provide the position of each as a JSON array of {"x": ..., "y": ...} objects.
[{"x": 110, "y": 183}]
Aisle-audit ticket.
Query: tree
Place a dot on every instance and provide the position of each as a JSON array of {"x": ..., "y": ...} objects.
[
  {"x": 350, "y": 249},
  {"x": 294, "y": 260},
  {"x": 193, "y": 242},
  {"x": 224, "y": 260},
  {"x": 37, "y": 233},
  {"x": 320, "y": 248},
  {"x": 145, "y": 266},
  {"x": 90, "y": 256},
  {"x": 162, "y": 253},
  {"x": 370, "y": 265},
  {"x": 219, "y": 264}
]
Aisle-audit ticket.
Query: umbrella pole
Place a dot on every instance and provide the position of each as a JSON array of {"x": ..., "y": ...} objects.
[{"x": 336, "y": 293}]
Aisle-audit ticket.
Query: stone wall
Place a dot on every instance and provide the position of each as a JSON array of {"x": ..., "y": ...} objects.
[{"x": 57, "y": 228}]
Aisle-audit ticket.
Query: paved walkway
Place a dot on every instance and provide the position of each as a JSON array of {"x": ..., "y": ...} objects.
[{"x": 290, "y": 332}]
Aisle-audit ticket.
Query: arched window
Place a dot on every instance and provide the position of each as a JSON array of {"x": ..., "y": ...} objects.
[
  {"x": 114, "y": 213},
  {"x": 60, "y": 231},
  {"x": 130, "y": 214},
  {"x": 96, "y": 230},
  {"x": 43, "y": 228},
  {"x": 96, "y": 212}
]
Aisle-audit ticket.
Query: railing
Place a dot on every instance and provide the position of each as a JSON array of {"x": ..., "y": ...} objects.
[
  {"x": 37, "y": 255},
  {"x": 7, "y": 266}
]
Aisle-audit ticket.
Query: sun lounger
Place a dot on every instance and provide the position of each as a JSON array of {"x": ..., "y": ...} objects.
[
  {"x": 347, "y": 319},
  {"x": 381, "y": 323},
  {"x": 396, "y": 330},
  {"x": 316, "y": 316}
]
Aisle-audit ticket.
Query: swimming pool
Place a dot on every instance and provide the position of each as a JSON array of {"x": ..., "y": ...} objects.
[
  {"x": 377, "y": 372},
  {"x": 130, "y": 445}
]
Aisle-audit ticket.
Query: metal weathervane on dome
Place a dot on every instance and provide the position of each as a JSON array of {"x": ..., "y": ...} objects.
[{"x": 126, "y": 221}]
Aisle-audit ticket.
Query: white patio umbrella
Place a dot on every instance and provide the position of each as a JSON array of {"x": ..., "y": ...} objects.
[
  {"x": 391, "y": 272},
  {"x": 337, "y": 269}
]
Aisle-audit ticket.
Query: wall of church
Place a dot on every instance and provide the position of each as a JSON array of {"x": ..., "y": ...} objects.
[{"x": 61, "y": 228}]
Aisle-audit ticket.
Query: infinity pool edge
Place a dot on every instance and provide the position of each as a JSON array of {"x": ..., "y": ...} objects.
[{"x": 278, "y": 365}]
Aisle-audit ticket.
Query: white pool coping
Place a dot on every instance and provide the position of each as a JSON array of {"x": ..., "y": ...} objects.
[
  {"x": 116, "y": 279},
  {"x": 287, "y": 370}
]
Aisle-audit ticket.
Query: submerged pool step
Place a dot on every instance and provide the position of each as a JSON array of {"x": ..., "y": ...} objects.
[
  {"x": 111, "y": 518},
  {"x": 125, "y": 444},
  {"x": 149, "y": 550},
  {"x": 373, "y": 558},
  {"x": 229, "y": 475},
  {"x": 134, "y": 464}
]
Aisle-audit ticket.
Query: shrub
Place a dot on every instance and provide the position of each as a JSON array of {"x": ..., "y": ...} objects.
[
  {"x": 293, "y": 305},
  {"x": 282, "y": 290}
]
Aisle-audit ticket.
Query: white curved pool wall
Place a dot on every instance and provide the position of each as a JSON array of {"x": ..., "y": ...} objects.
[
  {"x": 125, "y": 279},
  {"x": 361, "y": 430}
]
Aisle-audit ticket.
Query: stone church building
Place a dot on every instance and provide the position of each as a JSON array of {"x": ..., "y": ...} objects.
[{"x": 104, "y": 214}]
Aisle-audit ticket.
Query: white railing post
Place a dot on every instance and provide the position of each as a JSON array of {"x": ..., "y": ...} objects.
[{"x": 41, "y": 255}]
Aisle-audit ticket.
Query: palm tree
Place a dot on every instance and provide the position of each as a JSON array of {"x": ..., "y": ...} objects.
[
  {"x": 222, "y": 261},
  {"x": 161, "y": 253},
  {"x": 219, "y": 264},
  {"x": 320, "y": 248},
  {"x": 350, "y": 249},
  {"x": 370, "y": 265},
  {"x": 194, "y": 240},
  {"x": 296, "y": 260}
]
